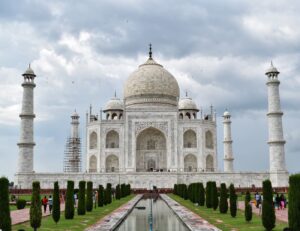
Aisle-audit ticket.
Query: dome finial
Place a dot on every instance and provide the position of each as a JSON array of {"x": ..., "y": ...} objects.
[
  {"x": 150, "y": 51},
  {"x": 115, "y": 93},
  {"x": 272, "y": 63},
  {"x": 186, "y": 93}
]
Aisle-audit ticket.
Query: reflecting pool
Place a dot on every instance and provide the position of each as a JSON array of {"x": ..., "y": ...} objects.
[{"x": 161, "y": 218}]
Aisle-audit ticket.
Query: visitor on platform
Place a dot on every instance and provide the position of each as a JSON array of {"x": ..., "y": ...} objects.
[
  {"x": 277, "y": 201},
  {"x": 45, "y": 203},
  {"x": 282, "y": 201},
  {"x": 257, "y": 199},
  {"x": 50, "y": 203}
]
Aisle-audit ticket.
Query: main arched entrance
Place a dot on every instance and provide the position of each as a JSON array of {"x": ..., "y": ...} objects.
[{"x": 151, "y": 151}]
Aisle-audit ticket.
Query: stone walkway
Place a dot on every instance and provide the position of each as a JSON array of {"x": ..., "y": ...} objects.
[
  {"x": 22, "y": 215},
  {"x": 193, "y": 221},
  {"x": 112, "y": 220},
  {"x": 281, "y": 215}
]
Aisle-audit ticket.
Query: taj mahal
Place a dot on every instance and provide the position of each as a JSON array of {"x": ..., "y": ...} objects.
[{"x": 151, "y": 137}]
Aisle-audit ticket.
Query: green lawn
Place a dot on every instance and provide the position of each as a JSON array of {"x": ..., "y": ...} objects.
[
  {"x": 224, "y": 221},
  {"x": 79, "y": 222}
]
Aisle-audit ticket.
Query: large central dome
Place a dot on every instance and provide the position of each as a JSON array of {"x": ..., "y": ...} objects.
[{"x": 151, "y": 84}]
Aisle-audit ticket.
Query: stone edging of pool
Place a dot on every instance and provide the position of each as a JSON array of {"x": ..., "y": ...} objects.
[
  {"x": 193, "y": 221},
  {"x": 112, "y": 220}
]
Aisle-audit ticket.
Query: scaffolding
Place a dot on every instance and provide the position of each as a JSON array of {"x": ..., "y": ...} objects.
[{"x": 72, "y": 159}]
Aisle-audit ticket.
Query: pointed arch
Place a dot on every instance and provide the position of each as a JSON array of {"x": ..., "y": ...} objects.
[
  {"x": 190, "y": 139},
  {"x": 190, "y": 163},
  {"x": 209, "y": 163},
  {"x": 209, "y": 141},
  {"x": 93, "y": 140},
  {"x": 93, "y": 164},
  {"x": 112, "y": 139},
  {"x": 112, "y": 163}
]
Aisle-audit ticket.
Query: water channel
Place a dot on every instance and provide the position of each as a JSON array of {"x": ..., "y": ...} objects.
[{"x": 152, "y": 215}]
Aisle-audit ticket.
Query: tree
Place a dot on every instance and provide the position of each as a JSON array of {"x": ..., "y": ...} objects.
[
  {"x": 123, "y": 190},
  {"x": 69, "y": 206},
  {"x": 208, "y": 195},
  {"x": 89, "y": 196},
  {"x": 214, "y": 195},
  {"x": 108, "y": 193},
  {"x": 175, "y": 189},
  {"x": 268, "y": 212},
  {"x": 232, "y": 200},
  {"x": 248, "y": 207},
  {"x": 185, "y": 192},
  {"x": 294, "y": 202},
  {"x": 56, "y": 203},
  {"x": 223, "y": 199},
  {"x": 5, "y": 219},
  {"x": 36, "y": 206},
  {"x": 100, "y": 196},
  {"x": 118, "y": 192},
  {"x": 81, "y": 198},
  {"x": 201, "y": 195}
]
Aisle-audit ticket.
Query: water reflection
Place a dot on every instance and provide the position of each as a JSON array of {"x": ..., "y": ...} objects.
[{"x": 163, "y": 218}]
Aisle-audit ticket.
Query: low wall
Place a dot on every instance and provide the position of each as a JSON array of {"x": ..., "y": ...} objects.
[{"x": 145, "y": 180}]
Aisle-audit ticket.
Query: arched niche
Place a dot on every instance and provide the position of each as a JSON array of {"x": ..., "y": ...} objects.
[
  {"x": 190, "y": 163},
  {"x": 210, "y": 163},
  {"x": 112, "y": 163},
  {"x": 93, "y": 140},
  {"x": 190, "y": 139},
  {"x": 93, "y": 164},
  {"x": 112, "y": 139},
  {"x": 209, "y": 141}
]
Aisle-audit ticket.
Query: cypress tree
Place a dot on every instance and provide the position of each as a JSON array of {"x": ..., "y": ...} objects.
[
  {"x": 69, "y": 206},
  {"x": 208, "y": 195},
  {"x": 118, "y": 192},
  {"x": 129, "y": 190},
  {"x": 56, "y": 203},
  {"x": 268, "y": 212},
  {"x": 175, "y": 189},
  {"x": 214, "y": 195},
  {"x": 294, "y": 202},
  {"x": 189, "y": 191},
  {"x": 223, "y": 199},
  {"x": 5, "y": 219},
  {"x": 81, "y": 198},
  {"x": 123, "y": 190},
  {"x": 185, "y": 192},
  {"x": 248, "y": 207},
  {"x": 89, "y": 196},
  {"x": 36, "y": 206},
  {"x": 232, "y": 200},
  {"x": 100, "y": 196},
  {"x": 108, "y": 193},
  {"x": 201, "y": 195}
]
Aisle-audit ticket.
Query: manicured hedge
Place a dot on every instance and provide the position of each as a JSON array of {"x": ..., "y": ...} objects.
[
  {"x": 89, "y": 196},
  {"x": 69, "y": 206},
  {"x": 294, "y": 202},
  {"x": 56, "y": 203},
  {"x": 5, "y": 220},
  {"x": 232, "y": 200},
  {"x": 21, "y": 204},
  {"x": 36, "y": 206},
  {"x": 81, "y": 198},
  {"x": 223, "y": 199}
]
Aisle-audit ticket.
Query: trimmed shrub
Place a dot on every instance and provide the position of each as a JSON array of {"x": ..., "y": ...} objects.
[
  {"x": 223, "y": 199},
  {"x": 100, "y": 196},
  {"x": 123, "y": 190},
  {"x": 232, "y": 200},
  {"x": 69, "y": 206},
  {"x": 208, "y": 194},
  {"x": 175, "y": 189},
  {"x": 214, "y": 195},
  {"x": 294, "y": 202},
  {"x": 81, "y": 198},
  {"x": 248, "y": 207},
  {"x": 201, "y": 195},
  {"x": 118, "y": 192},
  {"x": 89, "y": 196},
  {"x": 36, "y": 206},
  {"x": 5, "y": 220},
  {"x": 108, "y": 193},
  {"x": 268, "y": 212},
  {"x": 185, "y": 192},
  {"x": 21, "y": 204},
  {"x": 56, "y": 203}
]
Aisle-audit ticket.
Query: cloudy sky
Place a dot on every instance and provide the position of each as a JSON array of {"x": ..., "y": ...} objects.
[{"x": 82, "y": 51}]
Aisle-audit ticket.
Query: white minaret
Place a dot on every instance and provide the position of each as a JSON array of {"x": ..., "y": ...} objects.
[
  {"x": 228, "y": 155},
  {"x": 26, "y": 143},
  {"x": 72, "y": 161},
  {"x": 278, "y": 173}
]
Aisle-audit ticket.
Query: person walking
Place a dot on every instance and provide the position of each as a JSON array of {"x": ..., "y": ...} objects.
[
  {"x": 45, "y": 203},
  {"x": 50, "y": 203}
]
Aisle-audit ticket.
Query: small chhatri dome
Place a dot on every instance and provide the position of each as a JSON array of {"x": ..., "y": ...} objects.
[
  {"x": 29, "y": 71},
  {"x": 151, "y": 83},
  {"x": 114, "y": 104},
  {"x": 272, "y": 70},
  {"x": 187, "y": 104},
  {"x": 226, "y": 113}
]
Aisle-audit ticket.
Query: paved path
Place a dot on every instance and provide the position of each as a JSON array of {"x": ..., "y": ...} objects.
[
  {"x": 22, "y": 215},
  {"x": 281, "y": 215},
  {"x": 192, "y": 220},
  {"x": 112, "y": 220}
]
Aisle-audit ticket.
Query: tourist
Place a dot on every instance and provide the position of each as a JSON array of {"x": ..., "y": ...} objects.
[
  {"x": 50, "y": 203},
  {"x": 257, "y": 199},
  {"x": 45, "y": 203},
  {"x": 282, "y": 201},
  {"x": 277, "y": 201}
]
